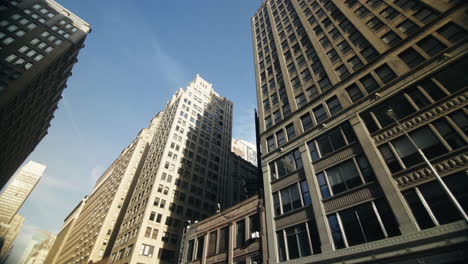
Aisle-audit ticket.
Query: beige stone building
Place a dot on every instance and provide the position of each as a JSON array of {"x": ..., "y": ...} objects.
[
  {"x": 236, "y": 235},
  {"x": 244, "y": 149},
  {"x": 63, "y": 235},
  {"x": 343, "y": 183},
  {"x": 184, "y": 176},
  {"x": 95, "y": 229},
  {"x": 18, "y": 190},
  {"x": 8, "y": 234},
  {"x": 39, "y": 44},
  {"x": 39, "y": 250}
]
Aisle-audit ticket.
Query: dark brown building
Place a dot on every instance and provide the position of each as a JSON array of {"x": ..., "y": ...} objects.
[
  {"x": 342, "y": 181},
  {"x": 39, "y": 43}
]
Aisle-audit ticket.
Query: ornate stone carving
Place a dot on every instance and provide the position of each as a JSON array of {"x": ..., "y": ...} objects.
[
  {"x": 423, "y": 118},
  {"x": 444, "y": 167}
]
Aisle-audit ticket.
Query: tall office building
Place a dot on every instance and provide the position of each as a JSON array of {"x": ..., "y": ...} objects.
[
  {"x": 98, "y": 223},
  {"x": 64, "y": 234},
  {"x": 39, "y": 43},
  {"x": 183, "y": 178},
  {"x": 243, "y": 180},
  {"x": 8, "y": 234},
  {"x": 245, "y": 149},
  {"x": 342, "y": 181},
  {"x": 39, "y": 250},
  {"x": 22, "y": 184}
]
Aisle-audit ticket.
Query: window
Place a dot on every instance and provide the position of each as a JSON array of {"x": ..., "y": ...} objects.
[
  {"x": 254, "y": 221},
  {"x": 286, "y": 165},
  {"x": 375, "y": 24},
  {"x": 290, "y": 131},
  {"x": 268, "y": 122},
  {"x": 369, "y": 83},
  {"x": 333, "y": 56},
  {"x": 300, "y": 100},
  {"x": 319, "y": 113},
  {"x": 271, "y": 143},
  {"x": 439, "y": 204},
  {"x": 452, "y": 32},
  {"x": 332, "y": 141},
  {"x": 148, "y": 231},
  {"x": 342, "y": 72},
  {"x": 362, "y": 224},
  {"x": 146, "y": 250},
  {"x": 277, "y": 116},
  {"x": 385, "y": 73},
  {"x": 306, "y": 121},
  {"x": 334, "y": 105},
  {"x": 391, "y": 38},
  {"x": 407, "y": 27},
  {"x": 223, "y": 239},
  {"x": 431, "y": 45},
  {"x": 389, "y": 13},
  {"x": 240, "y": 233},
  {"x": 354, "y": 92},
  {"x": 355, "y": 63},
  {"x": 425, "y": 15},
  {"x": 200, "y": 244},
  {"x": 212, "y": 243},
  {"x": 312, "y": 92},
  {"x": 411, "y": 57},
  {"x": 296, "y": 241},
  {"x": 190, "y": 248},
  {"x": 280, "y": 137}
]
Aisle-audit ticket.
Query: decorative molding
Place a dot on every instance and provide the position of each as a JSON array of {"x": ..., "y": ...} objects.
[
  {"x": 288, "y": 180},
  {"x": 424, "y": 118},
  {"x": 335, "y": 158},
  {"x": 445, "y": 167},
  {"x": 369, "y": 192},
  {"x": 294, "y": 218}
]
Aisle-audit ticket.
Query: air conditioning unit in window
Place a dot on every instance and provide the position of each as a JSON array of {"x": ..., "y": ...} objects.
[{"x": 255, "y": 235}]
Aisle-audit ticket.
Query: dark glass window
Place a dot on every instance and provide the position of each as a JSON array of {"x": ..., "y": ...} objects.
[
  {"x": 449, "y": 134},
  {"x": 354, "y": 92},
  {"x": 290, "y": 198},
  {"x": 342, "y": 72},
  {"x": 385, "y": 73},
  {"x": 323, "y": 185},
  {"x": 343, "y": 177},
  {"x": 320, "y": 114},
  {"x": 460, "y": 119},
  {"x": 287, "y": 164},
  {"x": 432, "y": 89},
  {"x": 407, "y": 27},
  {"x": 212, "y": 243},
  {"x": 300, "y": 100},
  {"x": 454, "y": 77},
  {"x": 390, "y": 159},
  {"x": 305, "y": 193},
  {"x": 411, "y": 57},
  {"x": 276, "y": 204},
  {"x": 306, "y": 121},
  {"x": 271, "y": 143},
  {"x": 200, "y": 243},
  {"x": 313, "y": 151},
  {"x": 291, "y": 132},
  {"x": 281, "y": 246},
  {"x": 334, "y": 105},
  {"x": 298, "y": 242},
  {"x": 190, "y": 250},
  {"x": 240, "y": 233},
  {"x": 338, "y": 239},
  {"x": 369, "y": 83},
  {"x": 280, "y": 137},
  {"x": 452, "y": 32},
  {"x": 223, "y": 239},
  {"x": 418, "y": 98},
  {"x": 312, "y": 92},
  {"x": 431, "y": 45}
]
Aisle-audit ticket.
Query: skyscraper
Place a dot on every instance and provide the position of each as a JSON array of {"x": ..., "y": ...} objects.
[
  {"x": 342, "y": 181},
  {"x": 183, "y": 178},
  {"x": 245, "y": 150},
  {"x": 8, "y": 234},
  {"x": 39, "y": 44},
  {"x": 98, "y": 223},
  {"x": 64, "y": 234},
  {"x": 39, "y": 250},
  {"x": 22, "y": 184}
]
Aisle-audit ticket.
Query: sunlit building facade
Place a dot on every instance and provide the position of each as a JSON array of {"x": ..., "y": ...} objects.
[
  {"x": 18, "y": 190},
  {"x": 184, "y": 176},
  {"x": 39, "y": 44},
  {"x": 95, "y": 228},
  {"x": 342, "y": 182}
]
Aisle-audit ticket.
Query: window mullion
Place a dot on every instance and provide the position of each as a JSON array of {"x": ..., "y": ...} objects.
[
  {"x": 298, "y": 186},
  {"x": 342, "y": 230},
  {"x": 309, "y": 238},
  {"x": 328, "y": 183},
  {"x": 426, "y": 205},
  {"x": 285, "y": 244},
  {"x": 395, "y": 154},
  {"x": 376, "y": 211}
]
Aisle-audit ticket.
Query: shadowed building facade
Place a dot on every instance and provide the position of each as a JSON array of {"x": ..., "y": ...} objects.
[
  {"x": 39, "y": 44},
  {"x": 342, "y": 182},
  {"x": 184, "y": 176}
]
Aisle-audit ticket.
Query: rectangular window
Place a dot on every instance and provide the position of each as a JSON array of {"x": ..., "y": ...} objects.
[
  {"x": 300, "y": 100},
  {"x": 271, "y": 143},
  {"x": 290, "y": 131},
  {"x": 320, "y": 114},
  {"x": 148, "y": 231},
  {"x": 212, "y": 243},
  {"x": 411, "y": 57},
  {"x": 146, "y": 250},
  {"x": 286, "y": 165},
  {"x": 452, "y": 32},
  {"x": 200, "y": 244},
  {"x": 297, "y": 241},
  {"x": 240, "y": 233},
  {"x": 280, "y": 137},
  {"x": 431, "y": 45},
  {"x": 385, "y": 73},
  {"x": 306, "y": 121},
  {"x": 223, "y": 239},
  {"x": 354, "y": 92},
  {"x": 334, "y": 105}
]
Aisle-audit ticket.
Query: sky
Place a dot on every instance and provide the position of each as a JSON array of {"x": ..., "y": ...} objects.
[{"x": 137, "y": 55}]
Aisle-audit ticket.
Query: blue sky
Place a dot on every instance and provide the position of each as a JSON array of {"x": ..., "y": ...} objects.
[{"x": 137, "y": 55}]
